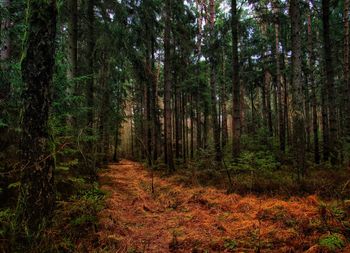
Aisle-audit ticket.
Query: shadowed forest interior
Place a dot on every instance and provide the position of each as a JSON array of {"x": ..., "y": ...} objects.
[{"x": 174, "y": 126}]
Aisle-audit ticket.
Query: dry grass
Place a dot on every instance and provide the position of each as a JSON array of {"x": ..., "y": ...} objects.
[{"x": 182, "y": 219}]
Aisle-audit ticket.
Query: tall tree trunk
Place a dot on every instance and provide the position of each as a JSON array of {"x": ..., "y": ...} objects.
[
  {"x": 5, "y": 52},
  {"x": 36, "y": 195},
  {"x": 325, "y": 123},
  {"x": 73, "y": 38},
  {"x": 90, "y": 82},
  {"x": 297, "y": 91},
  {"x": 268, "y": 103},
  {"x": 167, "y": 89},
  {"x": 214, "y": 110},
  {"x": 346, "y": 96},
  {"x": 333, "y": 128},
  {"x": 5, "y": 46},
  {"x": 307, "y": 110},
  {"x": 198, "y": 122},
  {"x": 224, "y": 129},
  {"x": 278, "y": 80},
  {"x": 285, "y": 94},
  {"x": 177, "y": 119},
  {"x": 191, "y": 127},
  {"x": 154, "y": 105},
  {"x": 311, "y": 63},
  {"x": 199, "y": 143},
  {"x": 236, "y": 104}
]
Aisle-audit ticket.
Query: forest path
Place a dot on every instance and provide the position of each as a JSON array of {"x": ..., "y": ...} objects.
[{"x": 181, "y": 219}]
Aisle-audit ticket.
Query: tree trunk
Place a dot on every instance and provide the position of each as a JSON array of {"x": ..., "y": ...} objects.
[
  {"x": 268, "y": 103},
  {"x": 214, "y": 110},
  {"x": 333, "y": 128},
  {"x": 168, "y": 147},
  {"x": 36, "y": 195},
  {"x": 224, "y": 130},
  {"x": 311, "y": 63},
  {"x": 73, "y": 39},
  {"x": 191, "y": 128},
  {"x": 236, "y": 104},
  {"x": 5, "y": 52},
  {"x": 297, "y": 92},
  {"x": 90, "y": 84},
  {"x": 346, "y": 95},
  {"x": 278, "y": 80}
]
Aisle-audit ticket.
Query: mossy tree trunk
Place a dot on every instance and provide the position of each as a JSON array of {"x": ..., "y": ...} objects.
[{"x": 36, "y": 196}]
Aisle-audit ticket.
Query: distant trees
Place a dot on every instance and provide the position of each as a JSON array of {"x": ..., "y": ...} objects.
[{"x": 285, "y": 102}]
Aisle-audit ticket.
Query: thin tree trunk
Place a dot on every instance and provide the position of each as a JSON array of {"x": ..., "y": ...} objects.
[
  {"x": 191, "y": 126},
  {"x": 236, "y": 104},
  {"x": 278, "y": 81},
  {"x": 311, "y": 62},
  {"x": 224, "y": 129},
  {"x": 73, "y": 39},
  {"x": 167, "y": 89},
  {"x": 268, "y": 104},
  {"x": 214, "y": 110},
  {"x": 90, "y": 83}
]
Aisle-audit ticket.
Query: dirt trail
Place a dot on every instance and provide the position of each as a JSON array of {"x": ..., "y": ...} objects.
[{"x": 179, "y": 219}]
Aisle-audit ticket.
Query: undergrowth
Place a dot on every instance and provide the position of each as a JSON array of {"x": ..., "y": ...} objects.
[{"x": 74, "y": 221}]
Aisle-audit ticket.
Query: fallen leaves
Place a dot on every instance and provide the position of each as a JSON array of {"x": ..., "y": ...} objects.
[{"x": 184, "y": 219}]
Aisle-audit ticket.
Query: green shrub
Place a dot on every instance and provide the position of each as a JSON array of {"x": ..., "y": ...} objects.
[
  {"x": 332, "y": 242},
  {"x": 230, "y": 244}
]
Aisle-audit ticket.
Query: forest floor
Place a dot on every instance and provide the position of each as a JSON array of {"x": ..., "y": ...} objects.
[{"x": 181, "y": 219}]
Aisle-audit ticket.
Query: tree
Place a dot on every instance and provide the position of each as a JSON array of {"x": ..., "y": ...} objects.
[
  {"x": 236, "y": 89},
  {"x": 346, "y": 77},
  {"x": 311, "y": 62},
  {"x": 297, "y": 89},
  {"x": 90, "y": 82},
  {"x": 73, "y": 38},
  {"x": 168, "y": 144},
  {"x": 5, "y": 53},
  {"x": 213, "y": 57},
  {"x": 329, "y": 84},
  {"x": 36, "y": 196},
  {"x": 278, "y": 78}
]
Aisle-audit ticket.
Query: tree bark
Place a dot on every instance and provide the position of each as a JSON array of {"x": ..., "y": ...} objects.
[
  {"x": 5, "y": 53},
  {"x": 311, "y": 63},
  {"x": 346, "y": 95},
  {"x": 168, "y": 144},
  {"x": 214, "y": 110},
  {"x": 297, "y": 91},
  {"x": 278, "y": 80},
  {"x": 73, "y": 39},
  {"x": 333, "y": 128},
  {"x": 236, "y": 103},
  {"x": 36, "y": 195},
  {"x": 90, "y": 83}
]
